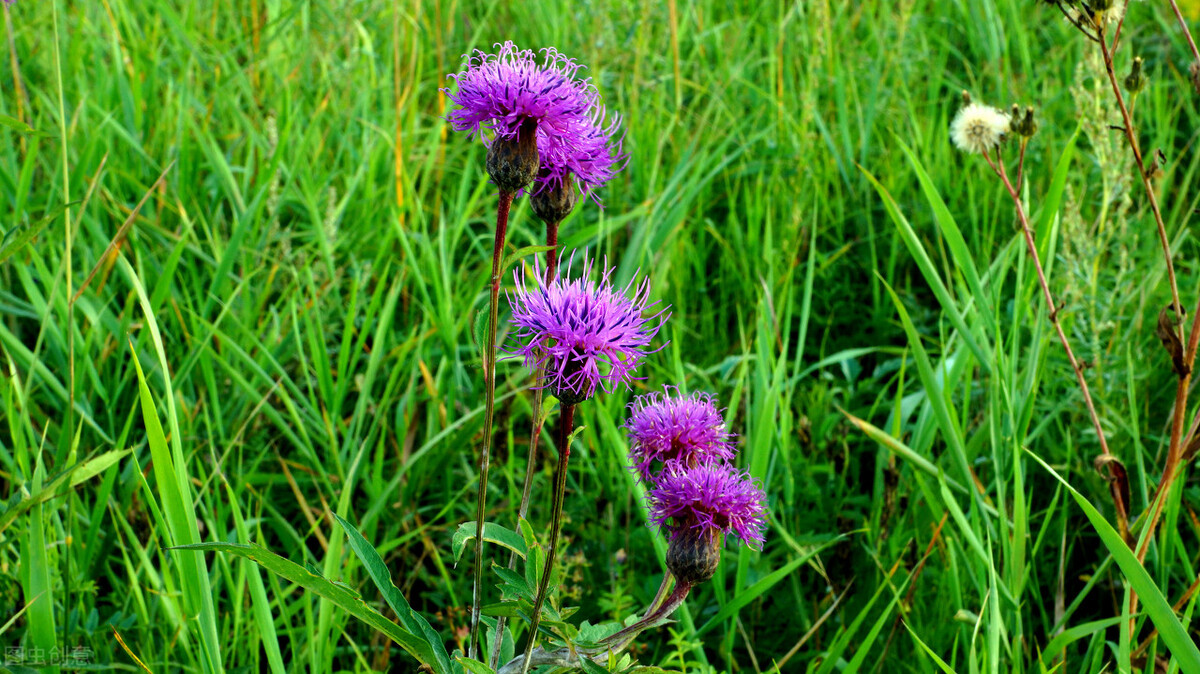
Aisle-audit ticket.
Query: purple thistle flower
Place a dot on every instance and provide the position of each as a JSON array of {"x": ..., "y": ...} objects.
[
  {"x": 668, "y": 427},
  {"x": 505, "y": 90},
  {"x": 698, "y": 502},
  {"x": 583, "y": 334},
  {"x": 593, "y": 155}
]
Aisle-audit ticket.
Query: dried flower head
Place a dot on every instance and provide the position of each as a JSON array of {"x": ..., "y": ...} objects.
[
  {"x": 702, "y": 501},
  {"x": 509, "y": 90},
  {"x": 670, "y": 427},
  {"x": 978, "y": 128},
  {"x": 583, "y": 334}
]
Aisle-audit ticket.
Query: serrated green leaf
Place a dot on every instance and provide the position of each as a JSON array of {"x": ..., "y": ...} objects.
[
  {"x": 594, "y": 634},
  {"x": 492, "y": 533},
  {"x": 410, "y": 619},
  {"x": 344, "y": 598}
]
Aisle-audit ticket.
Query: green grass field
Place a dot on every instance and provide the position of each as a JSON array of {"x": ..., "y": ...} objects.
[{"x": 266, "y": 212}]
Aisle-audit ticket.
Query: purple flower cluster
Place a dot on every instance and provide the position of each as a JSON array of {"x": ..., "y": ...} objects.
[
  {"x": 669, "y": 427},
  {"x": 695, "y": 494},
  {"x": 703, "y": 500},
  {"x": 582, "y": 334},
  {"x": 575, "y": 134}
]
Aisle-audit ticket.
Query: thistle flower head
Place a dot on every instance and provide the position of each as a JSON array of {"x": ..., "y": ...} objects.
[
  {"x": 978, "y": 128},
  {"x": 504, "y": 91},
  {"x": 582, "y": 334},
  {"x": 670, "y": 427},
  {"x": 593, "y": 154},
  {"x": 703, "y": 501}
]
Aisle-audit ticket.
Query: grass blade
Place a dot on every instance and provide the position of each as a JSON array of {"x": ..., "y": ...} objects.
[
  {"x": 337, "y": 593},
  {"x": 412, "y": 621},
  {"x": 1173, "y": 634},
  {"x": 929, "y": 271}
]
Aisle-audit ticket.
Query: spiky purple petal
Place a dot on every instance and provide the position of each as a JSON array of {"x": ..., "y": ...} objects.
[
  {"x": 701, "y": 500},
  {"x": 665, "y": 427},
  {"x": 582, "y": 334},
  {"x": 575, "y": 135}
]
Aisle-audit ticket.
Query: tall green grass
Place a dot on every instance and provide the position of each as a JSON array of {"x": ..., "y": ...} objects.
[{"x": 300, "y": 291}]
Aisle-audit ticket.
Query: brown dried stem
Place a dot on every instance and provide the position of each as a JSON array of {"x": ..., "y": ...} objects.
[
  {"x": 1175, "y": 448},
  {"x": 1187, "y": 33},
  {"x": 1131, "y": 135},
  {"x": 1052, "y": 307}
]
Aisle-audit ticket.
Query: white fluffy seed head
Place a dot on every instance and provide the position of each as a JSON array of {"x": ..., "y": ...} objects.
[{"x": 978, "y": 128}]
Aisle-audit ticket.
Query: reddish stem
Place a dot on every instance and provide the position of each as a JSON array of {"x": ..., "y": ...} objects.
[
  {"x": 489, "y": 385},
  {"x": 565, "y": 425},
  {"x": 552, "y": 254}
]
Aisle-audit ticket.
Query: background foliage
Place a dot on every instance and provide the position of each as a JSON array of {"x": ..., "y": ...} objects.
[{"x": 300, "y": 288}]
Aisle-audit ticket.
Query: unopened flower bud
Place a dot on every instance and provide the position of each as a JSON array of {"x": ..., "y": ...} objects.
[
  {"x": 1136, "y": 80},
  {"x": 555, "y": 199},
  {"x": 1022, "y": 124},
  {"x": 512, "y": 162}
]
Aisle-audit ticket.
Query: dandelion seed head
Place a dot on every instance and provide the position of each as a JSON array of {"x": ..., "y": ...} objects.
[{"x": 978, "y": 128}]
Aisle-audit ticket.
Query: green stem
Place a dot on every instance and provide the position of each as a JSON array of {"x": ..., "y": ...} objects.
[
  {"x": 566, "y": 423},
  {"x": 489, "y": 385}
]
